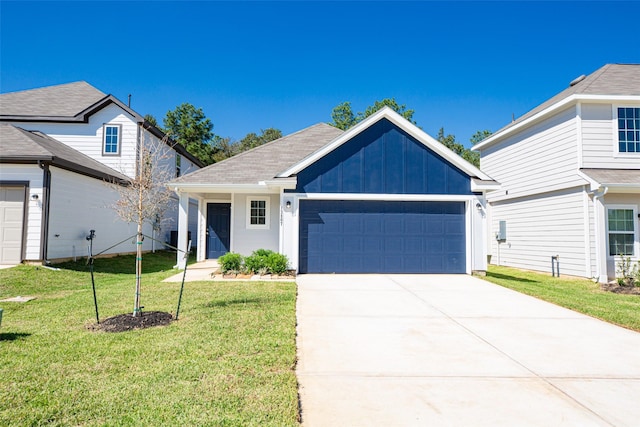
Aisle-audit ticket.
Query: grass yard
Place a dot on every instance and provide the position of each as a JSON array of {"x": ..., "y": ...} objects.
[
  {"x": 580, "y": 295},
  {"x": 228, "y": 361}
]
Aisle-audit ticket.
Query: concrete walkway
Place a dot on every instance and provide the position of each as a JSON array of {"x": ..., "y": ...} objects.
[{"x": 417, "y": 350}]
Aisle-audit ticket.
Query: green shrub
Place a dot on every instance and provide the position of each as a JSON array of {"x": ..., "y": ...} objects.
[
  {"x": 255, "y": 263},
  {"x": 265, "y": 261},
  {"x": 627, "y": 271},
  {"x": 230, "y": 262},
  {"x": 277, "y": 263}
]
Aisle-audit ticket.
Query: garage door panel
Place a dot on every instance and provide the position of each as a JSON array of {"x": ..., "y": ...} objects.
[
  {"x": 353, "y": 244},
  {"x": 378, "y": 237},
  {"x": 352, "y": 224},
  {"x": 413, "y": 245}
]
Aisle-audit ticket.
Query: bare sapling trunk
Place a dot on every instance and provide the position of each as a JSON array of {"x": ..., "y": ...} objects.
[{"x": 146, "y": 198}]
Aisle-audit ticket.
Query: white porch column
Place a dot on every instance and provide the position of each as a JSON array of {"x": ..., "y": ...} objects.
[
  {"x": 600, "y": 235},
  {"x": 183, "y": 229}
]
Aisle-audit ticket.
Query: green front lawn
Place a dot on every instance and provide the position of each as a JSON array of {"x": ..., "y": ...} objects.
[
  {"x": 580, "y": 295},
  {"x": 228, "y": 360}
]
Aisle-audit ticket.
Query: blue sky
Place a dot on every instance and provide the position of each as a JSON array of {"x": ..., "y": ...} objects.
[{"x": 464, "y": 66}]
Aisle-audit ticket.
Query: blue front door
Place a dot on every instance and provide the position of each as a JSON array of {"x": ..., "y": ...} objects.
[
  {"x": 218, "y": 229},
  {"x": 341, "y": 236}
]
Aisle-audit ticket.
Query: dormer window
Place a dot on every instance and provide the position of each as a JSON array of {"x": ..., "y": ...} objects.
[
  {"x": 628, "y": 130},
  {"x": 111, "y": 140}
]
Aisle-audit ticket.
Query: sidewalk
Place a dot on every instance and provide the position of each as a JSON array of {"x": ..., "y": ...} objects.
[{"x": 204, "y": 271}]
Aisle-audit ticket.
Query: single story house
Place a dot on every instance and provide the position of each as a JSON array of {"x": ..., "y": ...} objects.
[{"x": 381, "y": 197}]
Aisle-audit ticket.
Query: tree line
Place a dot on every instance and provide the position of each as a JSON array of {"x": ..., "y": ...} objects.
[{"x": 190, "y": 127}]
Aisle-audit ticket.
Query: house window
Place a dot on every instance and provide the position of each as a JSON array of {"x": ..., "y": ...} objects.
[
  {"x": 257, "y": 213},
  {"x": 621, "y": 230},
  {"x": 178, "y": 162},
  {"x": 111, "y": 140},
  {"x": 628, "y": 130}
]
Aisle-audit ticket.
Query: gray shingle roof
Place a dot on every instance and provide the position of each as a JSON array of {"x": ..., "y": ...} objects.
[
  {"x": 266, "y": 161},
  {"x": 611, "y": 79},
  {"x": 18, "y": 146},
  {"x": 66, "y": 100},
  {"x": 614, "y": 176}
]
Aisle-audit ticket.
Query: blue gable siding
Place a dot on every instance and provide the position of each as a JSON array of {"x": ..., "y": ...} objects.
[{"x": 383, "y": 159}]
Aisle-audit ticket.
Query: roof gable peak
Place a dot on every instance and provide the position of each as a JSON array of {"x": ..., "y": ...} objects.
[{"x": 388, "y": 113}]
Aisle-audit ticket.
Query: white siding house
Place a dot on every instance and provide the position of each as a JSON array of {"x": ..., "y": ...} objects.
[
  {"x": 570, "y": 178},
  {"x": 62, "y": 146}
]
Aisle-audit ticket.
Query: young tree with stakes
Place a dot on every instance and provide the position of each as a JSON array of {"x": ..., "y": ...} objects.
[{"x": 146, "y": 197}]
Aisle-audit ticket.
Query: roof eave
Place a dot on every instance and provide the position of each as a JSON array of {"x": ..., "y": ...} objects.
[
  {"x": 573, "y": 99},
  {"x": 220, "y": 188},
  {"x": 478, "y": 185}
]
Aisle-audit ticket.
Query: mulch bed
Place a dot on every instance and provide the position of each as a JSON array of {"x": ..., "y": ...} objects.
[
  {"x": 126, "y": 322},
  {"x": 616, "y": 288}
]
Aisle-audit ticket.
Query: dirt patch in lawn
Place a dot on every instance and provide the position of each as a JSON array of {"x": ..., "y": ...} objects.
[
  {"x": 616, "y": 288},
  {"x": 126, "y": 322}
]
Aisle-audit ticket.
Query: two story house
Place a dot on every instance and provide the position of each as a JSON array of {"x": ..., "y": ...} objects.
[
  {"x": 60, "y": 148},
  {"x": 570, "y": 179}
]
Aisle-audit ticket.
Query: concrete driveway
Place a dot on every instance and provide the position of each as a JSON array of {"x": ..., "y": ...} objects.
[{"x": 441, "y": 350}]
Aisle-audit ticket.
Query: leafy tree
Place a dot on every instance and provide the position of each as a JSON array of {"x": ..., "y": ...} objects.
[
  {"x": 253, "y": 140},
  {"x": 225, "y": 148},
  {"x": 451, "y": 143},
  {"x": 344, "y": 118},
  {"x": 480, "y": 135},
  {"x": 151, "y": 120},
  {"x": 188, "y": 126}
]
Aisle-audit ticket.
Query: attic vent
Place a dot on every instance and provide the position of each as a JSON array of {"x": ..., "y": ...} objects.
[{"x": 577, "y": 80}]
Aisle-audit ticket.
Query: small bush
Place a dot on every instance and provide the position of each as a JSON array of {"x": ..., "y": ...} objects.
[
  {"x": 230, "y": 262},
  {"x": 256, "y": 263},
  {"x": 627, "y": 271},
  {"x": 277, "y": 263},
  {"x": 265, "y": 261}
]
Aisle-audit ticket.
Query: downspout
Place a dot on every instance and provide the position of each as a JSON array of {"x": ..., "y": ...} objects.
[
  {"x": 597, "y": 195},
  {"x": 46, "y": 189}
]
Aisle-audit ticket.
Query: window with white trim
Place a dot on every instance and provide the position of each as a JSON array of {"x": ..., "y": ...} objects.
[
  {"x": 621, "y": 230},
  {"x": 111, "y": 135},
  {"x": 257, "y": 212},
  {"x": 628, "y": 130}
]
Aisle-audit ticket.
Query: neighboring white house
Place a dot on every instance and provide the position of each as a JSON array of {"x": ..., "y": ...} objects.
[
  {"x": 570, "y": 176},
  {"x": 381, "y": 197},
  {"x": 59, "y": 146}
]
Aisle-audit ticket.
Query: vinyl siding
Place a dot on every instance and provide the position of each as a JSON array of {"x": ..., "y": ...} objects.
[
  {"x": 33, "y": 174},
  {"x": 246, "y": 240},
  {"x": 87, "y": 137},
  {"x": 599, "y": 140},
  {"x": 79, "y": 204},
  {"x": 541, "y": 158},
  {"x": 539, "y": 227}
]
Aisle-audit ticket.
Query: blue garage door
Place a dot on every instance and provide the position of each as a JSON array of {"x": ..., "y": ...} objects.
[{"x": 339, "y": 236}]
